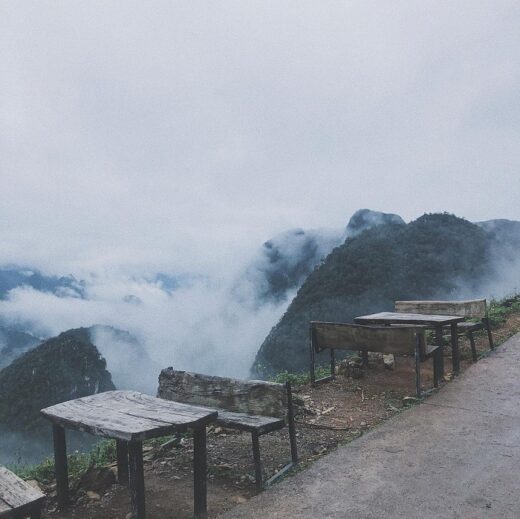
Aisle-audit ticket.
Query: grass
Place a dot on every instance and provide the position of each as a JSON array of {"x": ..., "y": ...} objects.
[
  {"x": 102, "y": 454},
  {"x": 301, "y": 378},
  {"x": 499, "y": 310}
]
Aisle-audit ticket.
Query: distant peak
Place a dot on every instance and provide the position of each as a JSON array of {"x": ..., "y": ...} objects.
[{"x": 364, "y": 219}]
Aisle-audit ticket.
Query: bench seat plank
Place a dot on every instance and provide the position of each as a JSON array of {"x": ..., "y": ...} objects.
[
  {"x": 15, "y": 493},
  {"x": 469, "y": 326},
  {"x": 133, "y": 416},
  {"x": 248, "y": 422}
]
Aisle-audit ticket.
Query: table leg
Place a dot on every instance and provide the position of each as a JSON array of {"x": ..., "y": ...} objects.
[
  {"x": 455, "y": 348},
  {"x": 199, "y": 472},
  {"x": 60, "y": 464},
  {"x": 440, "y": 343},
  {"x": 135, "y": 456},
  {"x": 122, "y": 462}
]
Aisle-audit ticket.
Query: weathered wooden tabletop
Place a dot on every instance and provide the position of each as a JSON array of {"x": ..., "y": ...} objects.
[
  {"x": 16, "y": 496},
  {"x": 127, "y": 415},
  {"x": 403, "y": 318}
]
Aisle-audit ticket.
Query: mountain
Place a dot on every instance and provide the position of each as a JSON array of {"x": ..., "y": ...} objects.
[
  {"x": 13, "y": 344},
  {"x": 15, "y": 277},
  {"x": 284, "y": 261},
  {"x": 505, "y": 232},
  {"x": 436, "y": 256},
  {"x": 365, "y": 219},
  {"x": 62, "y": 368}
]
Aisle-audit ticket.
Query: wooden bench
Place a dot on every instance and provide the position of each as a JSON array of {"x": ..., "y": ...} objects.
[
  {"x": 382, "y": 339},
  {"x": 471, "y": 309},
  {"x": 253, "y": 406},
  {"x": 18, "y": 499}
]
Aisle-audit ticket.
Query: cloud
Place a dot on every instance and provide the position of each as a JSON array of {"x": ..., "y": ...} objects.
[
  {"x": 182, "y": 135},
  {"x": 201, "y": 327}
]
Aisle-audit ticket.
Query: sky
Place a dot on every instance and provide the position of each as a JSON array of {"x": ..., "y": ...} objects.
[{"x": 181, "y": 135}]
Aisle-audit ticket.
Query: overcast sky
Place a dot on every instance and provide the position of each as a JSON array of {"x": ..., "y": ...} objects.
[{"x": 181, "y": 134}]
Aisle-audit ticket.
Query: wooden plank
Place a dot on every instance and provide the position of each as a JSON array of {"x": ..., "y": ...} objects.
[
  {"x": 254, "y": 397},
  {"x": 137, "y": 492},
  {"x": 60, "y": 464},
  {"x": 475, "y": 308},
  {"x": 364, "y": 338},
  {"x": 106, "y": 423},
  {"x": 15, "y": 492},
  {"x": 127, "y": 415},
  {"x": 408, "y": 318},
  {"x": 247, "y": 422},
  {"x": 5, "y": 509},
  {"x": 467, "y": 326},
  {"x": 146, "y": 406},
  {"x": 200, "y": 470}
]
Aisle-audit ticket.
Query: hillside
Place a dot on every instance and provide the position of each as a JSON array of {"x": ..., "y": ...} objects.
[
  {"x": 283, "y": 263},
  {"x": 14, "y": 343},
  {"x": 64, "y": 367},
  {"x": 436, "y": 256}
]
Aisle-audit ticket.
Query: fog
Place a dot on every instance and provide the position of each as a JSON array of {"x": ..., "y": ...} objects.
[
  {"x": 201, "y": 327},
  {"x": 179, "y": 136}
]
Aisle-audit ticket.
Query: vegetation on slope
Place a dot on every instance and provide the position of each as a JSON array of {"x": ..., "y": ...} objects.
[
  {"x": 436, "y": 256},
  {"x": 65, "y": 367}
]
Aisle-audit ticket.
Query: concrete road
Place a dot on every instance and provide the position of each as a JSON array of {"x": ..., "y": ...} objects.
[{"x": 455, "y": 456}]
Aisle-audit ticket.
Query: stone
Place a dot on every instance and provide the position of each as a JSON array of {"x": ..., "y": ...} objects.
[{"x": 389, "y": 361}]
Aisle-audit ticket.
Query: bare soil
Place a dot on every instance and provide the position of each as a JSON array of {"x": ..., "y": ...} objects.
[{"x": 329, "y": 415}]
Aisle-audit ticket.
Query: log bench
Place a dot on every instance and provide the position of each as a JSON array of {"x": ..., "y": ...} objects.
[
  {"x": 254, "y": 406},
  {"x": 470, "y": 309},
  {"x": 381, "y": 339},
  {"x": 18, "y": 499}
]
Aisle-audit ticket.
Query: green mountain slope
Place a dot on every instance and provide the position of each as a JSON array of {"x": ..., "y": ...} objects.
[
  {"x": 64, "y": 367},
  {"x": 436, "y": 256}
]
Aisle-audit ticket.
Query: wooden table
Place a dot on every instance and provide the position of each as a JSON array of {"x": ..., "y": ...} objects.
[
  {"x": 129, "y": 418},
  {"x": 437, "y": 322}
]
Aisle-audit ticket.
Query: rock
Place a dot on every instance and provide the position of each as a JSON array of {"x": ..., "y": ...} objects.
[
  {"x": 94, "y": 496},
  {"x": 351, "y": 367},
  {"x": 33, "y": 483},
  {"x": 97, "y": 480},
  {"x": 389, "y": 361}
]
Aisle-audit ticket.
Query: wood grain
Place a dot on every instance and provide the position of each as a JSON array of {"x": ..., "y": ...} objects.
[
  {"x": 5, "y": 509},
  {"x": 475, "y": 308},
  {"x": 248, "y": 422},
  {"x": 365, "y": 338},
  {"x": 254, "y": 397},
  {"x": 127, "y": 415},
  {"x": 408, "y": 318},
  {"x": 15, "y": 493}
]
